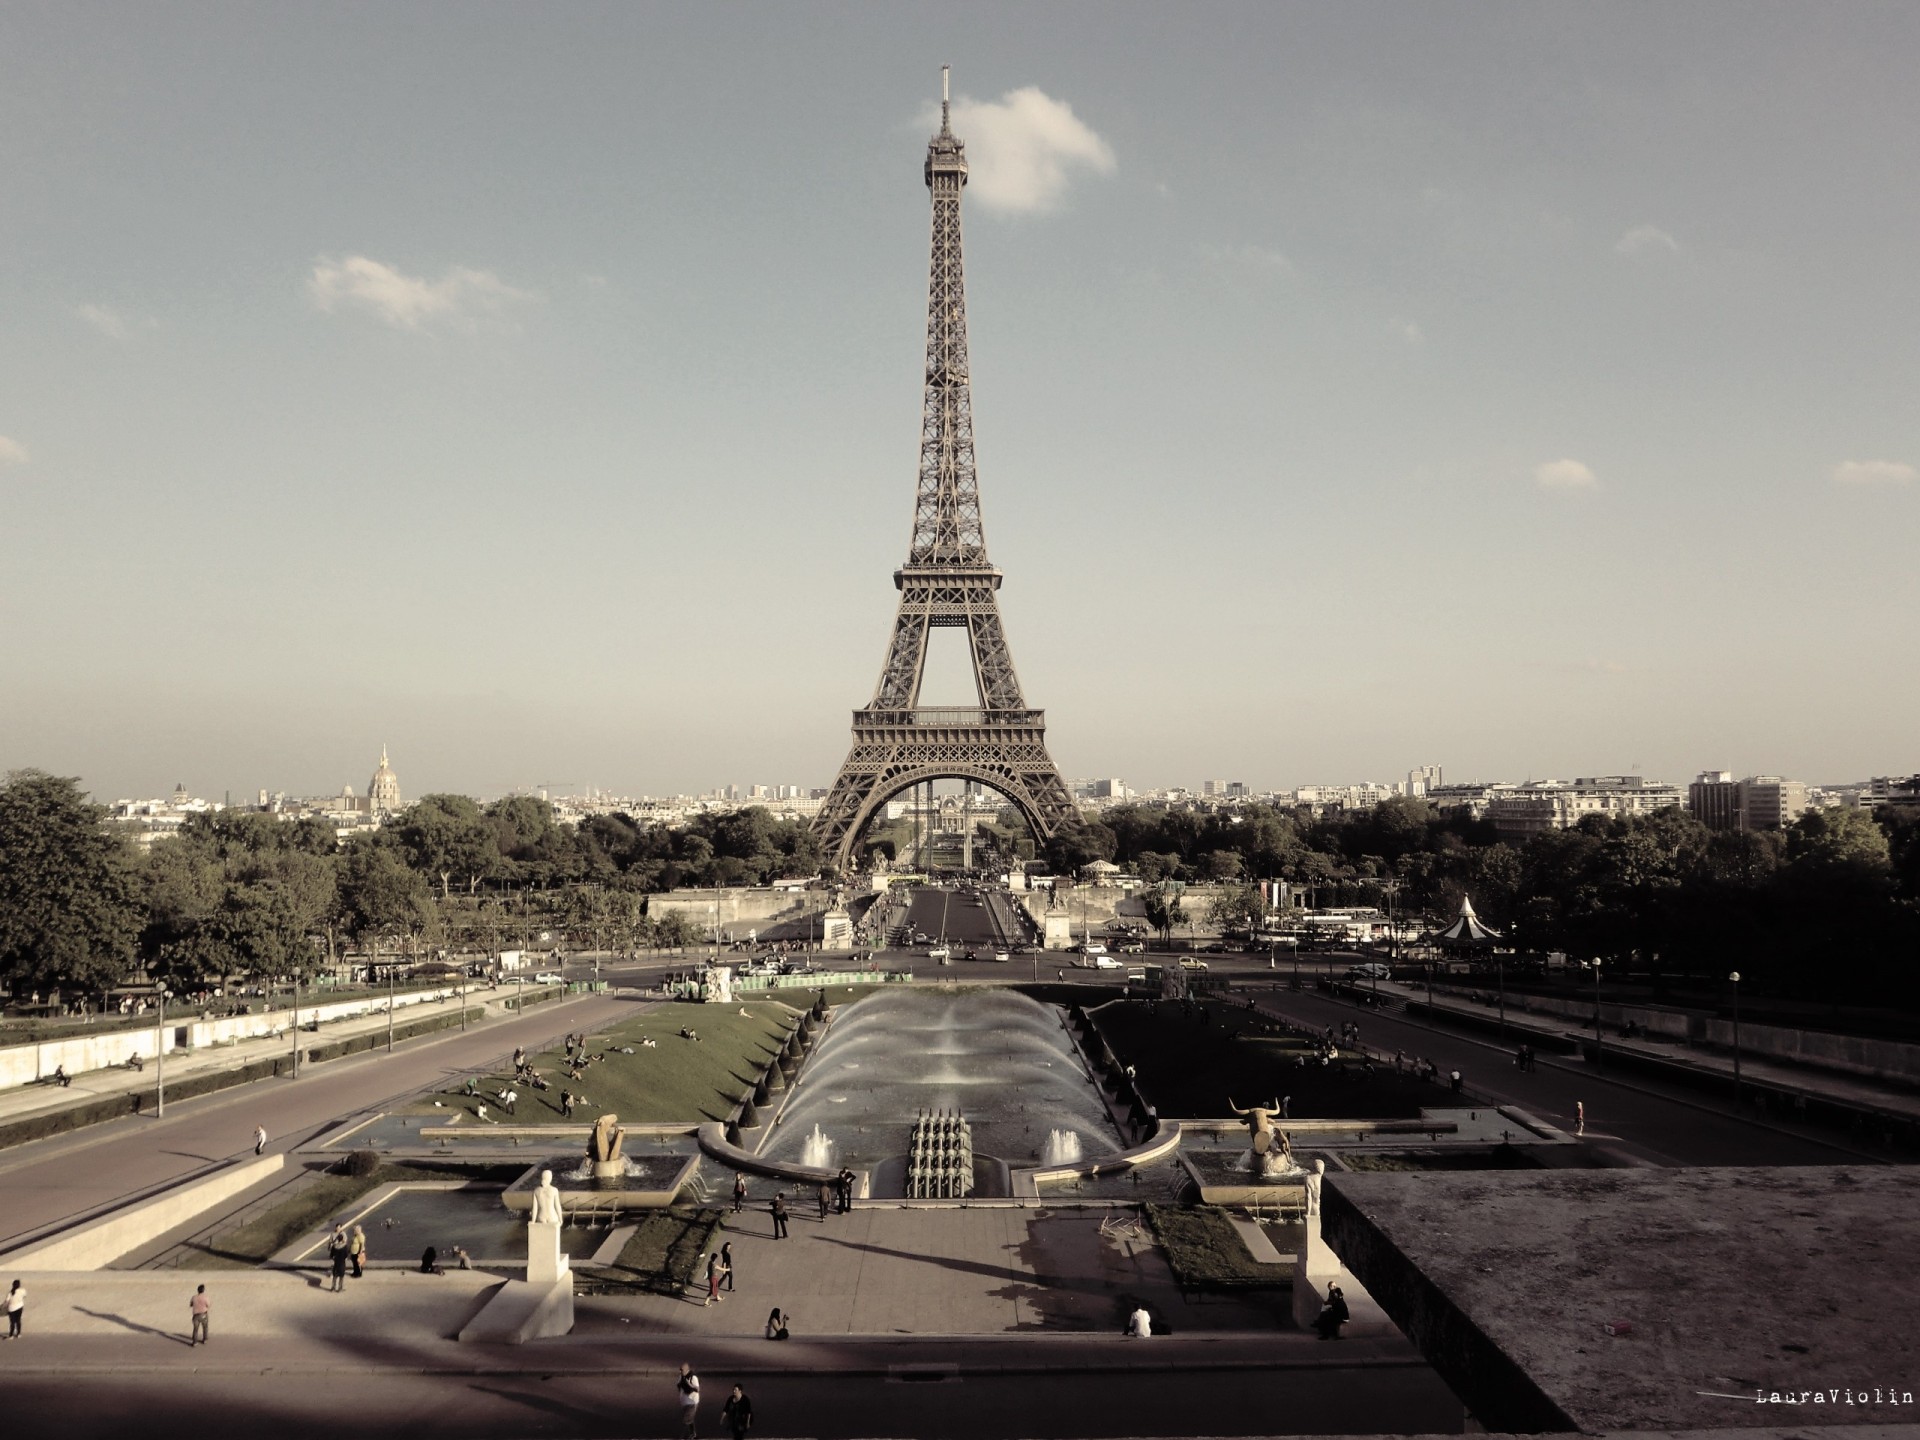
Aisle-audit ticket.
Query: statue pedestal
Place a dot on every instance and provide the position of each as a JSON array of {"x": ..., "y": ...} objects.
[
  {"x": 545, "y": 1262},
  {"x": 1317, "y": 1268},
  {"x": 609, "y": 1169}
]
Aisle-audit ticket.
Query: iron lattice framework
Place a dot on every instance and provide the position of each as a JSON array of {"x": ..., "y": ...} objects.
[{"x": 948, "y": 581}]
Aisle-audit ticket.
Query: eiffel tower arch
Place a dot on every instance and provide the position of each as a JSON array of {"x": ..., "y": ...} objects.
[{"x": 898, "y": 743}]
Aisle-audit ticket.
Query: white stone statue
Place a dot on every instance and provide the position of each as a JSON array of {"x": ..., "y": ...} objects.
[
  {"x": 1313, "y": 1187},
  {"x": 546, "y": 1201}
]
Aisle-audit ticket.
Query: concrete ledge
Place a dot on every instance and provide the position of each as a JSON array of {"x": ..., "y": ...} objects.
[
  {"x": 98, "y": 1243},
  {"x": 520, "y": 1311},
  {"x": 1165, "y": 1141}
]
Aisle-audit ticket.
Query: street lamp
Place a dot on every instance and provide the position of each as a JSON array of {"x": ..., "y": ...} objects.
[
  {"x": 1597, "y": 1041},
  {"x": 389, "y": 1007},
  {"x": 1500, "y": 969},
  {"x": 1735, "y": 978},
  {"x": 160, "y": 1060}
]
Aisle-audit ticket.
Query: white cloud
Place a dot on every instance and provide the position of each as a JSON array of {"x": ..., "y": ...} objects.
[
  {"x": 12, "y": 452},
  {"x": 1023, "y": 149},
  {"x": 1255, "y": 257},
  {"x": 459, "y": 298},
  {"x": 108, "y": 321},
  {"x": 1645, "y": 240},
  {"x": 1874, "y": 472},
  {"x": 1564, "y": 475}
]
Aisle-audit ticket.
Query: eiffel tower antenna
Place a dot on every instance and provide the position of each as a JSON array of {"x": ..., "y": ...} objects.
[{"x": 947, "y": 581}]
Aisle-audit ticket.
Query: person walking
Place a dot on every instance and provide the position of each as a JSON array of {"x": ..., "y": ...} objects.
[
  {"x": 713, "y": 1278},
  {"x": 779, "y": 1212},
  {"x": 739, "y": 1192},
  {"x": 509, "y": 1098},
  {"x": 738, "y": 1413},
  {"x": 16, "y": 1309},
  {"x": 826, "y": 1199},
  {"x": 337, "y": 1258},
  {"x": 726, "y": 1265},
  {"x": 259, "y": 1139},
  {"x": 688, "y": 1386},
  {"x": 357, "y": 1249},
  {"x": 199, "y": 1307},
  {"x": 1579, "y": 1117}
]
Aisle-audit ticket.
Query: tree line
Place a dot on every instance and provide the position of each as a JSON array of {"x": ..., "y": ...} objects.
[
  {"x": 242, "y": 893},
  {"x": 1831, "y": 901}
]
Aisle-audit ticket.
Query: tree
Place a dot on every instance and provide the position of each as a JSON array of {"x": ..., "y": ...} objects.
[
  {"x": 1235, "y": 905},
  {"x": 1164, "y": 910},
  {"x": 449, "y": 837},
  {"x": 69, "y": 905},
  {"x": 381, "y": 898}
]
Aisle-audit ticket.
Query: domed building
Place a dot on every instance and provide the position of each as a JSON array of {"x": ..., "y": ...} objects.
[{"x": 383, "y": 791}]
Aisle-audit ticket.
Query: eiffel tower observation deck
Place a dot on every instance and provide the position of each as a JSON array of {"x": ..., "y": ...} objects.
[{"x": 947, "y": 581}]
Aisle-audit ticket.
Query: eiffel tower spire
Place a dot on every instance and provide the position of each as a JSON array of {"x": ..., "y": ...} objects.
[{"x": 946, "y": 581}]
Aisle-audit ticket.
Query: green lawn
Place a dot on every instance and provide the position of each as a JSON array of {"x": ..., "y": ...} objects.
[
  {"x": 1191, "y": 1063},
  {"x": 679, "y": 1080},
  {"x": 662, "y": 1256},
  {"x": 1202, "y": 1248}
]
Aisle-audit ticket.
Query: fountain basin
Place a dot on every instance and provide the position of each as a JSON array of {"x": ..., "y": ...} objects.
[
  {"x": 645, "y": 1182},
  {"x": 1234, "y": 1177}
]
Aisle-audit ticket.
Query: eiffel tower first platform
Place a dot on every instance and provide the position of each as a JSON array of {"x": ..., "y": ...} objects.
[{"x": 947, "y": 580}]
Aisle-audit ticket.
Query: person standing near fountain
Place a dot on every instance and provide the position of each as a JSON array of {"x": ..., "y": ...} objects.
[
  {"x": 778, "y": 1209},
  {"x": 713, "y": 1278}
]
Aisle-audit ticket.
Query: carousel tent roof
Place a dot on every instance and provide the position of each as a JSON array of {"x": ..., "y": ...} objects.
[{"x": 1467, "y": 930}]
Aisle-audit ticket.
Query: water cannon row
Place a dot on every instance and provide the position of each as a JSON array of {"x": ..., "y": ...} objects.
[{"x": 940, "y": 1157}]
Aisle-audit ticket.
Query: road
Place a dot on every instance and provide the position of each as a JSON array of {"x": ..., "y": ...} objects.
[
  {"x": 362, "y": 1396},
  {"x": 1632, "y": 1117},
  {"x": 49, "y": 1180}
]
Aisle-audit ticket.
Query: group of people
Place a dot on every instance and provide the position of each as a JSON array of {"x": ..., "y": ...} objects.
[
  {"x": 1523, "y": 1058},
  {"x": 344, "y": 1248},
  {"x": 736, "y": 1412},
  {"x": 719, "y": 1273}
]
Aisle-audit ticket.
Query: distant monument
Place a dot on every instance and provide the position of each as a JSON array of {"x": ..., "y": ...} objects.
[{"x": 603, "y": 1147}]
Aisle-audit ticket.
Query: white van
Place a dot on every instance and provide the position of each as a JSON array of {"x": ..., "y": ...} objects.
[{"x": 940, "y": 954}]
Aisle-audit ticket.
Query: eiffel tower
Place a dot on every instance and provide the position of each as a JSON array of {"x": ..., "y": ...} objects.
[{"x": 947, "y": 580}]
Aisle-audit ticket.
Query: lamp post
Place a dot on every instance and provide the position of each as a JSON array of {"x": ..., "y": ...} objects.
[
  {"x": 1500, "y": 969},
  {"x": 389, "y": 1008},
  {"x": 1735, "y": 978},
  {"x": 296, "y": 1026},
  {"x": 160, "y": 1059},
  {"x": 1598, "y": 1042}
]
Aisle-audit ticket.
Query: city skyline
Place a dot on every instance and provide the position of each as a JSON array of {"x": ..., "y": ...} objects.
[{"x": 1355, "y": 390}]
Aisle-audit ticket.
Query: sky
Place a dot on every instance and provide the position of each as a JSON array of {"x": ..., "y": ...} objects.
[{"x": 1524, "y": 389}]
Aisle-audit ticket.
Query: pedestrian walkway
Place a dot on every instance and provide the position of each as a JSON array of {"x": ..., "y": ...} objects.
[
  {"x": 22, "y": 1101},
  {"x": 976, "y": 1270}
]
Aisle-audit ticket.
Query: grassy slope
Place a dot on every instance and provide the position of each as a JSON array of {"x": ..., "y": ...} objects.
[
  {"x": 1187, "y": 1068},
  {"x": 677, "y": 1080},
  {"x": 1203, "y": 1248},
  {"x": 662, "y": 1255}
]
